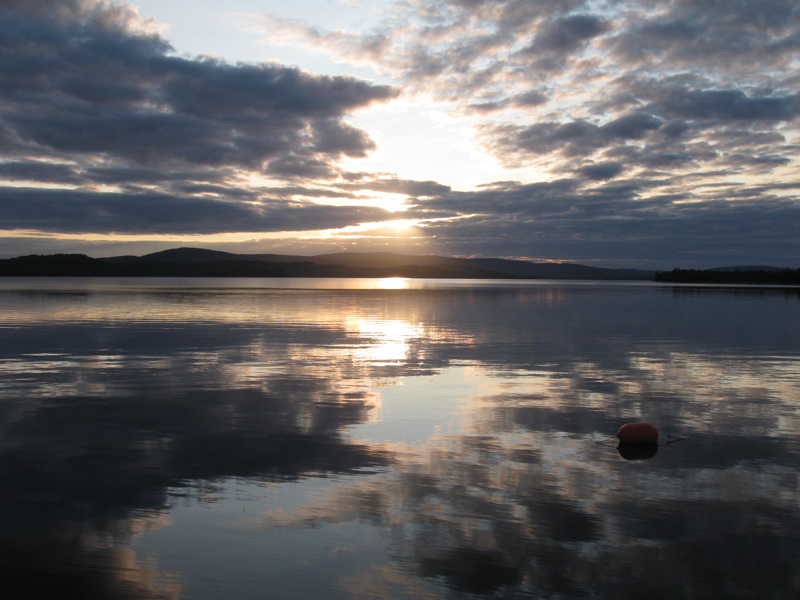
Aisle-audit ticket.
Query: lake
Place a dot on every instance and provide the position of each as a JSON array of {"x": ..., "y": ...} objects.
[{"x": 397, "y": 439}]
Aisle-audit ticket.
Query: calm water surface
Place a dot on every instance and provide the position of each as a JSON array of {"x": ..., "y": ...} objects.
[{"x": 393, "y": 439}]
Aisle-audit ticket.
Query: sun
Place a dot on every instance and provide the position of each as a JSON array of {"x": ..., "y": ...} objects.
[{"x": 402, "y": 226}]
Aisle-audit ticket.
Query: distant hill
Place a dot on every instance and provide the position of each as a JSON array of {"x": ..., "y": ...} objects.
[
  {"x": 387, "y": 264},
  {"x": 201, "y": 262},
  {"x": 63, "y": 265},
  {"x": 200, "y": 255},
  {"x": 79, "y": 265}
]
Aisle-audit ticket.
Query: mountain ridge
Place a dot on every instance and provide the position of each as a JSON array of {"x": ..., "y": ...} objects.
[
  {"x": 202, "y": 262},
  {"x": 462, "y": 267}
]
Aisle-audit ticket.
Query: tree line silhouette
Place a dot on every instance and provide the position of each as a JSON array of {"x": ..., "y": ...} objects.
[{"x": 755, "y": 276}]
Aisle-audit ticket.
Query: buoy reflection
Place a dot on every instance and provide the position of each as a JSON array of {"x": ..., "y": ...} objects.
[{"x": 638, "y": 451}]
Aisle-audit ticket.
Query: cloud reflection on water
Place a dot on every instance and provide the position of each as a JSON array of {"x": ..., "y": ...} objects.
[{"x": 114, "y": 405}]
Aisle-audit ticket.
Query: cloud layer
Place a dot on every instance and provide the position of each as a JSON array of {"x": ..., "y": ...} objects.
[
  {"x": 131, "y": 138},
  {"x": 660, "y": 129},
  {"x": 666, "y": 126}
]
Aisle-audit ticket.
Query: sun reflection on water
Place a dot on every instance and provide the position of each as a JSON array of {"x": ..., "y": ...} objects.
[
  {"x": 391, "y": 340},
  {"x": 392, "y": 283}
]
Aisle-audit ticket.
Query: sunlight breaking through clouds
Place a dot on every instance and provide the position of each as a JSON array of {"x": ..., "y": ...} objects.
[{"x": 636, "y": 132}]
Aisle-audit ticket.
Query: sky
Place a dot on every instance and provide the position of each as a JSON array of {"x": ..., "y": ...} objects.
[{"x": 626, "y": 133}]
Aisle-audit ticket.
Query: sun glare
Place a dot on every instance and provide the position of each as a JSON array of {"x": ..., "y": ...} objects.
[
  {"x": 391, "y": 338},
  {"x": 388, "y": 201},
  {"x": 393, "y": 283},
  {"x": 402, "y": 225}
]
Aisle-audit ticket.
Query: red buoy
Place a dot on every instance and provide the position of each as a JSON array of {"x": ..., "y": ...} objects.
[{"x": 638, "y": 433}]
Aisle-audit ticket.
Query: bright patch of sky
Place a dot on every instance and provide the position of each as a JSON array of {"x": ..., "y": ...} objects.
[
  {"x": 230, "y": 31},
  {"x": 210, "y": 27},
  {"x": 422, "y": 141}
]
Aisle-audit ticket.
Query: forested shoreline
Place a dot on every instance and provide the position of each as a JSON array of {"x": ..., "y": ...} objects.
[{"x": 758, "y": 276}]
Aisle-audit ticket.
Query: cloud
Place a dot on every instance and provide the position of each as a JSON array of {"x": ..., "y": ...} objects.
[
  {"x": 728, "y": 104},
  {"x": 530, "y": 98},
  {"x": 641, "y": 122},
  {"x": 568, "y": 34},
  {"x": 39, "y": 171},
  {"x": 601, "y": 171},
  {"x": 190, "y": 111},
  {"x": 573, "y": 138},
  {"x": 396, "y": 185},
  {"x": 675, "y": 128},
  {"x": 157, "y": 106},
  {"x": 75, "y": 211},
  {"x": 742, "y": 34},
  {"x": 94, "y": 98},
  {"x": 585, "y": 218},
  {"x": 636, "y": 71}
]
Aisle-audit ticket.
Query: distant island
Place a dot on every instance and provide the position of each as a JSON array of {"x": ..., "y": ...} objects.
[{"x": 199, "y": 262}]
